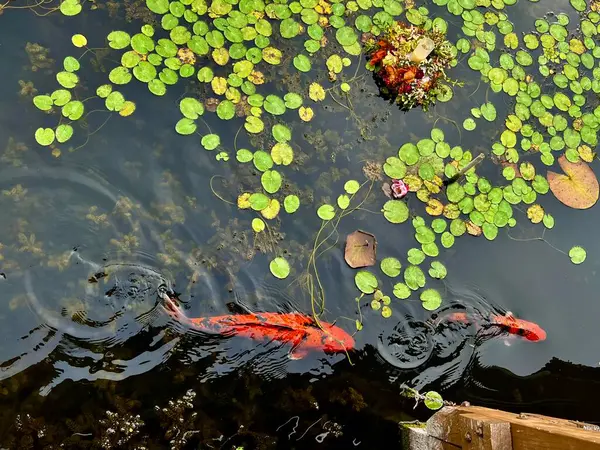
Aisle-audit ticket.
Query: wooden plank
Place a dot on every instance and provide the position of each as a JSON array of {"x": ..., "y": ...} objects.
[
  {"x": 480, "y": 433},
  {"x": 477, "y": 428},
  {"x": 444, "y": 425},
  {"x": 543, "y": 432},
  {"x": 418, "y": 439}
]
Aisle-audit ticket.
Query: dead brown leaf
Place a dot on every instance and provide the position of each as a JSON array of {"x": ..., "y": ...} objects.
[
  {"x": 361, "y": 249},
  {"x": 577, "y": 189},
  {"x": 473, "y": 229}
]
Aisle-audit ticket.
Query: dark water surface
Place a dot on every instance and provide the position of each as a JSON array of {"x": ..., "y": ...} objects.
[{"x": 136, "y": 202}]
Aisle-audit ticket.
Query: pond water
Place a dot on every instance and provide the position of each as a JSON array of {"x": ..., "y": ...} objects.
[{"x": 94, "y": 231}]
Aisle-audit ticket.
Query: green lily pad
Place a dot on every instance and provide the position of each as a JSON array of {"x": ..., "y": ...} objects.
[
  {"x": 391, "y": 266},
  {"x": 401, "y": 291},
  {"x": 346, "y": 36},
  {"x": 414, "y": 277},
  {"x": 158, "y": 6},
  {"x": 281, "y": 133},
  {"x": 67, "y": 80},
  {"x": 210, "y": 141},
  {"x": 431, "y": 299},
  {"x": 577, "y": 255},
  {"x": 302, "y": 63},
  {"x": 437, "y": 270},
  {"x": 73, "y": 110},
  {"x": 43, "y": 102},
  {"x": 118, "y": 40},
  {"x": 291, "y": 203},
  {"x": 280, "y": 268},
  {"x": 63, "y": 133},
  {"x": 365, "y": 282},
  {"x": 271, "y": 181},
  {"x": 254, "y": 125},
  {"x": 192, "y": 108},
  {"x": 121, "y": 75},
  {"x": 395, "y": 211},
  {"x": 44, "y": 136},
  {"x": 115, "y": 101},
  {"x": 226, "y": 110},
  {"x": 274, "y": 105},
  {"x": 326, "y": 212},
  {"x": 185, "y": 126},
  {"x": 70, "y": 7}
]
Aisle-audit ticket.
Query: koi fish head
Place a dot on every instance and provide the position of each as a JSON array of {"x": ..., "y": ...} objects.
[
  {"x": 529, "y": 330},
  {"x": 331, "y": 339}
]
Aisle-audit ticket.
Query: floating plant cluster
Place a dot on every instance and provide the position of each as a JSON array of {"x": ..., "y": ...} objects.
[{"x": 410, "y": 64}]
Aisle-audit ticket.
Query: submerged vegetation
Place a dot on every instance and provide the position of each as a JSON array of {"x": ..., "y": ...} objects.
[{"x": 236, "y": 48}]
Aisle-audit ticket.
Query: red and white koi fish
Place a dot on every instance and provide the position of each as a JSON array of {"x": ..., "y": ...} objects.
[
  {"x": 507, "y": 322},
  {"x": 296, "y": 329}
]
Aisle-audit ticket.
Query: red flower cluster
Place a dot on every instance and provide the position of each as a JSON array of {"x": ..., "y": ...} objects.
[
  {"x": 396, "y": 79},
  {"x": 409, "y": 82}
]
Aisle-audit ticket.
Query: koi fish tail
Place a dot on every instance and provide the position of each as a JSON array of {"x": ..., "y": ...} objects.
[{"x": 173, "y": 309}]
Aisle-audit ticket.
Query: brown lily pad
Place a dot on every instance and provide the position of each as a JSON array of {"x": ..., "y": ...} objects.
[
  {"x": 361, "y": 249},
  {"x": 577, "y": 189}
]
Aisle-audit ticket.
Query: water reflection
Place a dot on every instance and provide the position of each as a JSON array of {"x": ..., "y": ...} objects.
[{"x": 444, "y": 347}]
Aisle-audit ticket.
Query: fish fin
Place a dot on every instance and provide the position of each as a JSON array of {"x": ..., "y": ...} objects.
[{"x": 298, "y": 351}]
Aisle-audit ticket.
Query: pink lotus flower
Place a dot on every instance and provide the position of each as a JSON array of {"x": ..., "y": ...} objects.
[{"x": 399, "y": 189}]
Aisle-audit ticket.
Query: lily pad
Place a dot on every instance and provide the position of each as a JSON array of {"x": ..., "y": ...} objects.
[
  {"x": 271, "y": 181},
  {"x": 578, "y": 187},
  {"x": 185, "y": 126},
  {"x": 431, "y": 299},
  {"x": 437, "y": 270},
  {"x": 280, "y": 268},
  {"x": 282, "y": 153},
  {"x": 360, "y": 249},
  {"x": 577, "y": 255},
  {"x": 395, "y": 211},
  {"x": 43, "y": 102},
  {"x": 210, "y": 141},
  {"x": 401, "y": 291},
  {"x": 281, "y": 133},
  {"x": 391, "y": 267},
  {"x": 365, "y": 282},
  {"x": 63, "y": 133},
  {"x": 414, "y": 277},
  {"x": 44, "y": 136},
  {"x": 291, "y": 203},
  {"x": 326, "y": 212},
  {"x": 191, "y": 108},
  {"x": 67, "y": 80},
  {"x": 118, "y": 40}
]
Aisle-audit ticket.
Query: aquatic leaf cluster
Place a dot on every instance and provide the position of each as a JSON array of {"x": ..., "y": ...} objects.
[
  {"x": 234, "y": 48},
  {"x": 545, "y": 119}
]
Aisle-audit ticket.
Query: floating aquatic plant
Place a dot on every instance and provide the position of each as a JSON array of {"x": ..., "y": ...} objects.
[{"x": 409, "y": 64}]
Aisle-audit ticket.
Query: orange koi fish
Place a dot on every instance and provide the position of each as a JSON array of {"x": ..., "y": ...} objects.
[
  {"x": 296, "y": 329},
  {"x": 507, "y": 322}
]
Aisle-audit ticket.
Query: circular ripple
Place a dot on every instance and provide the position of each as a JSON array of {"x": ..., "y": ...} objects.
[{"x": 408, "y": 345}]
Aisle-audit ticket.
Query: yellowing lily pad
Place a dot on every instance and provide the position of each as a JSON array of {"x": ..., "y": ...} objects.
[
  {"x": 272, "y": 209},
  {"x": 306, "y": 113},
  {"x": 578, "y": 187},
  {"x": 316, "y": 92},
  {"x": 535, "y": 213},
  {"x": 243, "y": 201}
]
